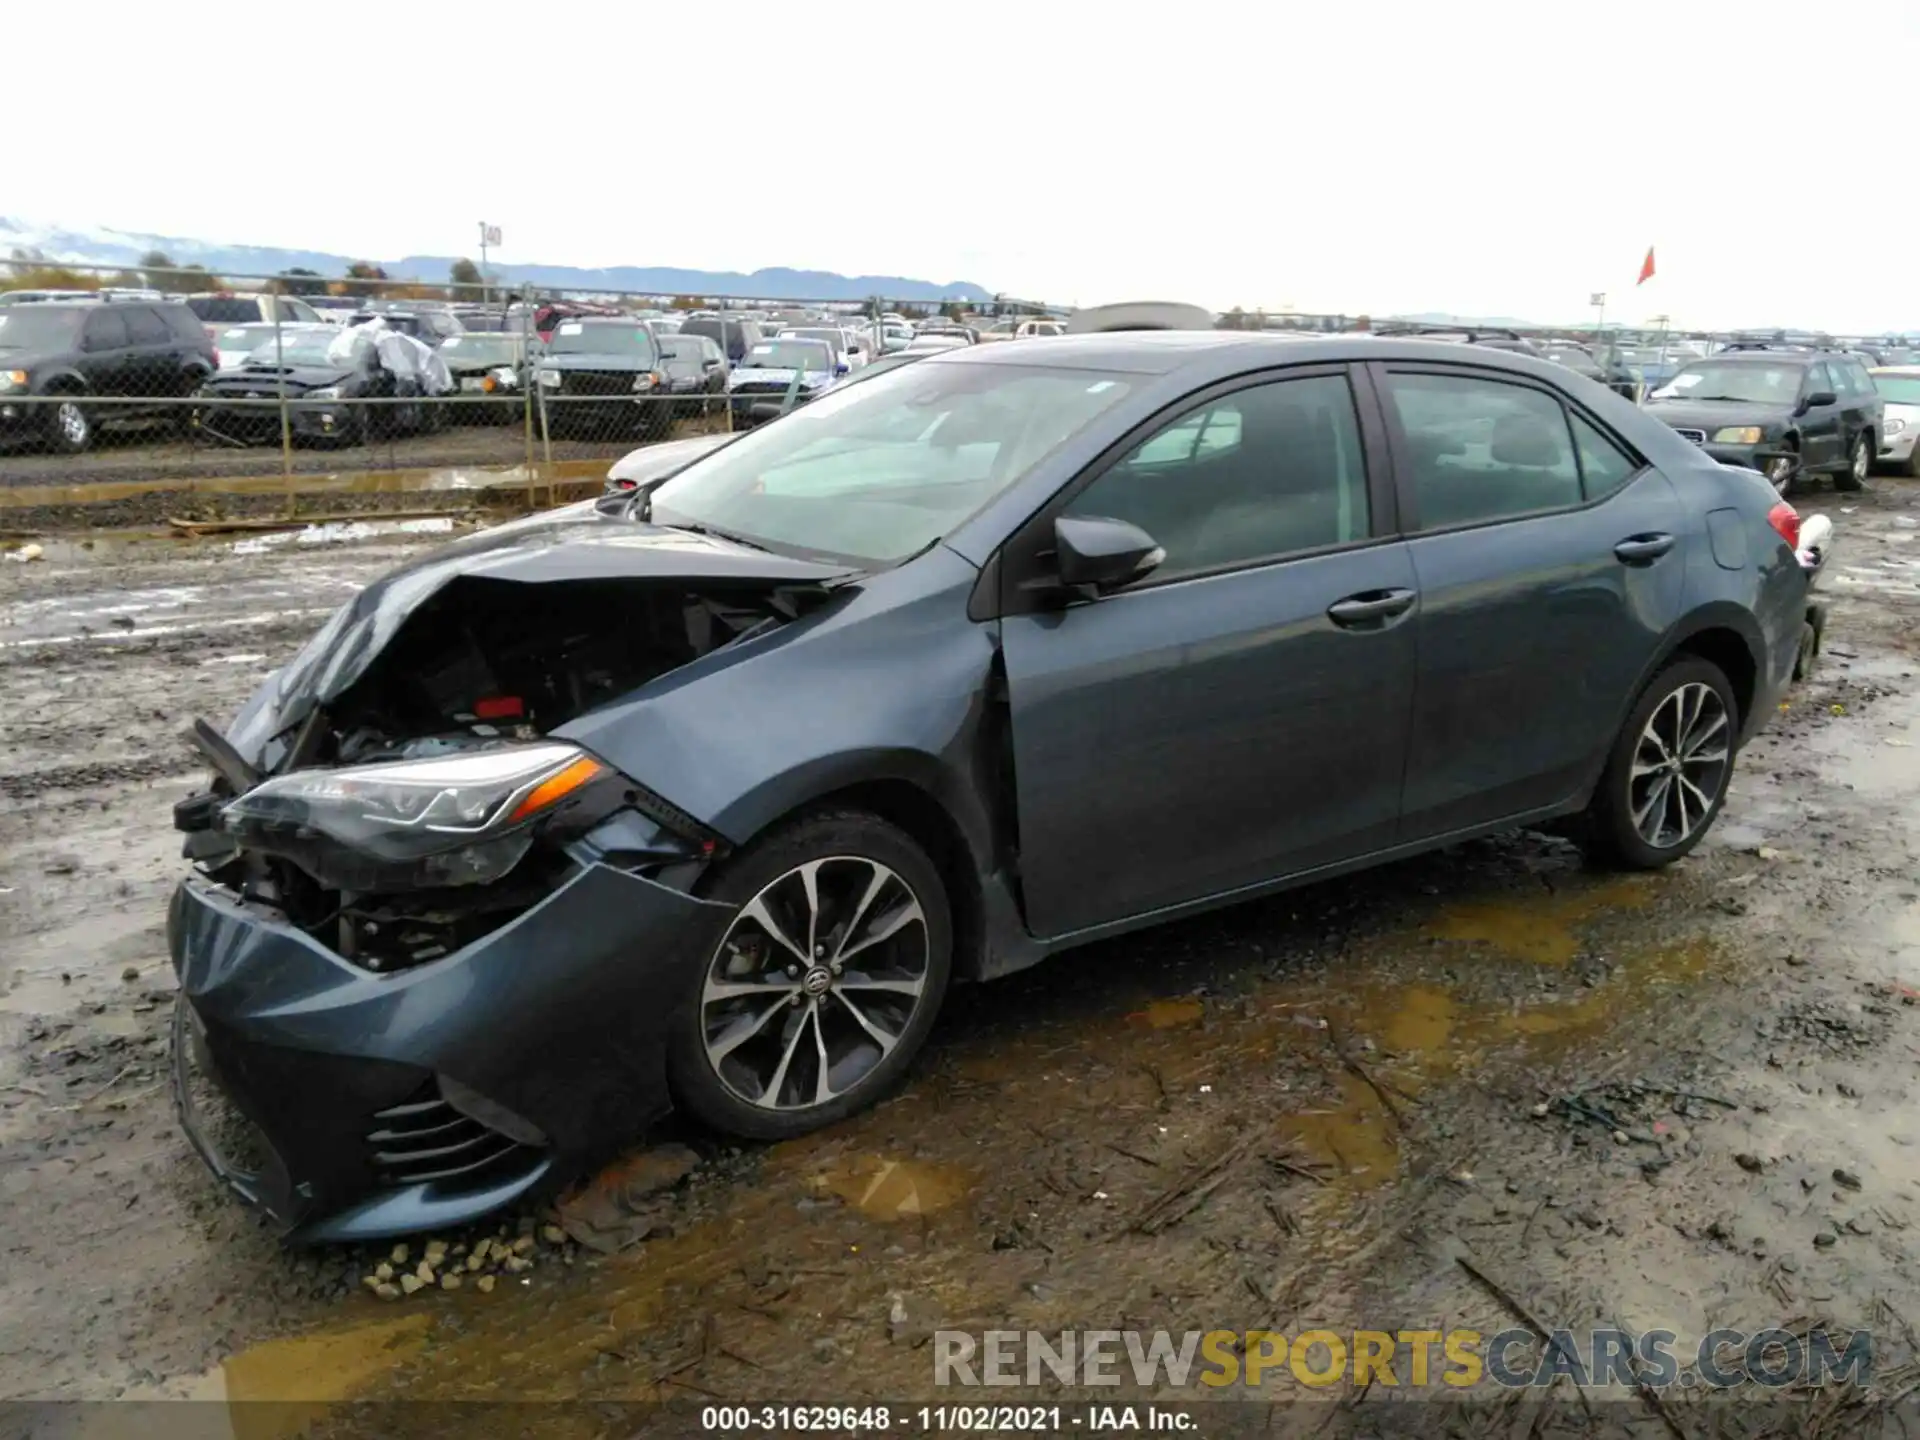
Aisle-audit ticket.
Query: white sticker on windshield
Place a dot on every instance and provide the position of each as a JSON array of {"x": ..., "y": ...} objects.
[
  {"x": 1098, "y": 386},
  {"x": 1684, "y": 382},
  {"x": 572, "y": 328}
]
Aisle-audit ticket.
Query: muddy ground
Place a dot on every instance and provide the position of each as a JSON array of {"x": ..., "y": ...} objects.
[{"x": 1679, "y": 1101}]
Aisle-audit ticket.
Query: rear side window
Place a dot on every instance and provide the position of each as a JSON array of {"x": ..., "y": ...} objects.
[
  {"x": 1858, "y": 381},
  {"x": 186, "y": 325},
  {"x": 1819, "y": 379},
  {"x": 106, "y": 330},
  {"x": 1480, "y": 450},
  {"x": 1604, "y": 466},
  {"x": 146, "y": 328}
]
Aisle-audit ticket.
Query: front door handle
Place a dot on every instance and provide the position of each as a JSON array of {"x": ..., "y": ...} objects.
[
  {"x": 1371, "y": 608},
  {"x": 1643, "y": 549}
]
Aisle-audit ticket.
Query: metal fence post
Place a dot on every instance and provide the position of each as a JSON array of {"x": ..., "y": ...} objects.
[
  {"x": 286, "y": 421},
  {"x": 531, "y": 371}
]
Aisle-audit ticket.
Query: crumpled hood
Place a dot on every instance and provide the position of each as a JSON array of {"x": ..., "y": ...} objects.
[
  {"x": 1711, "y": 415},
  {"x": 268, "y": 378},
  {"x": 576, "y": 542}
]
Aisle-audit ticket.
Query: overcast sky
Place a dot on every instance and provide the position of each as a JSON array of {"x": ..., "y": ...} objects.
[{"x": 1477, "y": 158}]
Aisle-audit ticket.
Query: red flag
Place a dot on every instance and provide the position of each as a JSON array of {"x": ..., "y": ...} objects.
[{"x": 1646, "y": 268}]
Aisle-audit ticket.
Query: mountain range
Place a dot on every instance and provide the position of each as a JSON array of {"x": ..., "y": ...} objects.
[{"x": 125, "y": 248}]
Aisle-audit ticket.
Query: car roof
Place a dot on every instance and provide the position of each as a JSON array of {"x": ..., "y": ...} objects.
[
  {"x": 1740, "y": 357},
  {"x": 1895, "y": 370}
]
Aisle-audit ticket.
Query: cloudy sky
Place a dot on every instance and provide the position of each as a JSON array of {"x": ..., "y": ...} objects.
[{"x": 1466, "y": 156}]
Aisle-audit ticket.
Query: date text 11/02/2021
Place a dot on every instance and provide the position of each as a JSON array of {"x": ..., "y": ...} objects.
[{"x": 942, "y": 1419}]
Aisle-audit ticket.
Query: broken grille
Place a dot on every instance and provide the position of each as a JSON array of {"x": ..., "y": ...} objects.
[{"x": 427, "y": 1139}]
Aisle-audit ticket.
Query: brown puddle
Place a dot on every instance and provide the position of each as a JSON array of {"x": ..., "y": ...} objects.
[
  {"x": 1539, "y": 930},
  {"x": 902, "y": 1197}
]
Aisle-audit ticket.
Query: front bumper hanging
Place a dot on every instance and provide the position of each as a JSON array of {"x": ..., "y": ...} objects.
[{"x": 350, "y": 1105}]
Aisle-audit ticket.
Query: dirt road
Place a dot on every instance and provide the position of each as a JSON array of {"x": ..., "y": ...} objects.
[{"x": 1670, "y": 1101}]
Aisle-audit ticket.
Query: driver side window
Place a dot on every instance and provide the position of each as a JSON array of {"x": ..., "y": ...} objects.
[{"x": 1271, "y": 470}]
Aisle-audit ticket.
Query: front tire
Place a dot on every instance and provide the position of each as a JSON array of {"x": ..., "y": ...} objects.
[
  {"x": 1667, "y": 774},
  {"x": 1782, "y": 472},
  {"x": 824, "y": 985},
  {"x": 1859, "y": 462},
  {"x": 69, "y": 427}
]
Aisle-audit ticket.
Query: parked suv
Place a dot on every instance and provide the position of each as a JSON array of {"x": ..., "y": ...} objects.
[
  {"x": 1787, "y": 412},
  {"x": 225, "y": 308},
  {"x": 55, "y": 356}
]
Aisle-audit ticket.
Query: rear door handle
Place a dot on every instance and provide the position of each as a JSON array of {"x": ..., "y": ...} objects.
[
  {"x": 1371, "y": 608},
  {"x": 1643, "y": 549}
]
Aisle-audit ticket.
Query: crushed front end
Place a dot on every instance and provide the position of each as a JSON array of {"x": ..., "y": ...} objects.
[{"x": 430, "y": 951}]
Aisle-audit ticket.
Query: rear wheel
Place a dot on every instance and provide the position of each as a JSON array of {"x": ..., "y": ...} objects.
[
  {"x": 1668, "y": 771},
  {"x": 825, "y": 984},
  {"x": 1859, "y": 462}
]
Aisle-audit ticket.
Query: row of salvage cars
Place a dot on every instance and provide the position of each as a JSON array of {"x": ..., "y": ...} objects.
[{"x": 700, "y": 796}]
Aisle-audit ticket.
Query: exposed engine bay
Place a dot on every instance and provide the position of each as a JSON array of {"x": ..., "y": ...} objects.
[
  {"x": 487, "y": 658},
  {"x": 481, "y": 665}
]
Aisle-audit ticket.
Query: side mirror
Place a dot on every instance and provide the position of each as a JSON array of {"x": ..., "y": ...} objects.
[
  {"x": 1819, "y": 398},
  {"x": 843, "y": 368},
  {"x": 1101, "y": 554}
]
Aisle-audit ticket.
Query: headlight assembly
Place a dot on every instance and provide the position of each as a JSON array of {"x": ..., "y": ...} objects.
[
  {"x": 1894, "y": 427},
  {"x": 325, "y": 392},
  {"x": 412, "y": 824},
  {"x": 1737, "y": 435},
  {"x": 550, "y": 379}
]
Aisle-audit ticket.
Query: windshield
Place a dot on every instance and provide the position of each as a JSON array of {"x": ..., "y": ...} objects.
[
  {"x": 482, "y": 349},
  {"x": 609, "y": 337},
  {"x": 1569, "y": 355},
  {"x": 27, "y": 327},
  {"x": 826, "y": 337},
  {"x": 1756, "y": 384},
  {"x": 789, "y": 355},
  {"x": 1900, "y": 389},
  {"x": 870, "y": 474}
]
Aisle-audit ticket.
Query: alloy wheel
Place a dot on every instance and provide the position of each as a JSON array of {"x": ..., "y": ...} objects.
[
  {"x": 1679, "y": 765},
  {"x": 815, "y": 982},
  {"x": 1780, "y": 471},
  {"x": 1862, "y": 460},
  {"x": 72, "y": 421}
]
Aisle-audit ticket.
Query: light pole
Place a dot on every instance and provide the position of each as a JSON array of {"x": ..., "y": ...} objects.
[{"x": 1598, "y": 301}]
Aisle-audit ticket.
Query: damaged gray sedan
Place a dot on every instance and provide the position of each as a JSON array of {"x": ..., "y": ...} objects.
[{"x": 699, "y": 796}]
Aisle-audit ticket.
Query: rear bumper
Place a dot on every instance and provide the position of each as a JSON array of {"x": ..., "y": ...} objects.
[{"x": 375, "y": 1105}]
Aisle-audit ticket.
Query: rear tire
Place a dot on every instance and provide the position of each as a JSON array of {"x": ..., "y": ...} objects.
[
  {"x": 723, "y": 1050},
  {"x": 1648, "y": 811},
  {"x": 1859, "y": 462}
]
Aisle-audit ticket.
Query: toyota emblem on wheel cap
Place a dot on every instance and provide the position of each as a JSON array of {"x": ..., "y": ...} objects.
[{"x": 819, "y": 980}]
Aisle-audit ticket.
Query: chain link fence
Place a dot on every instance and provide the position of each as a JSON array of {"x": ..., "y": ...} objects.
[{"x": 173, "y": 374}]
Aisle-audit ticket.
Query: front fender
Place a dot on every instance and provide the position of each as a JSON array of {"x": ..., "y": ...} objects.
[{"x": 892, "y": 685}]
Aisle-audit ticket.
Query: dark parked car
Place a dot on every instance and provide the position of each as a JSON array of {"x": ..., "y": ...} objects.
[
  {"x": 696, "y": 371},
  {"x": 56, "y": 356},
  {"x": 489, "y": 372},
  {"x": 603, "y": 374},
  {"x": 1789, "y": 413},
  {"x": 1607, "y": 369},
  {"x": 703, "y": 796},
  {"x": 741, "y": 335},
  {"x": 322, "y": 371}
]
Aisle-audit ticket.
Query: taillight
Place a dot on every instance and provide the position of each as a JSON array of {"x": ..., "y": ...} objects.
[
  {"x": 1786, "y": 520},
  {"x": 216, "y": 357}
]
